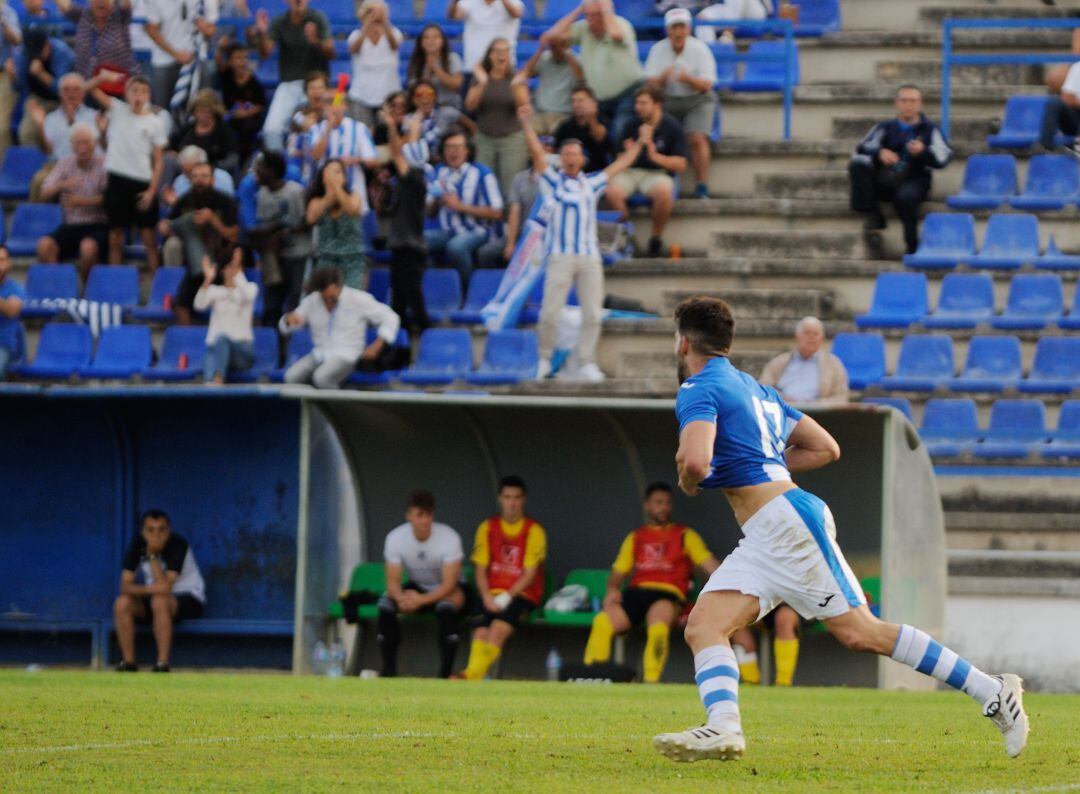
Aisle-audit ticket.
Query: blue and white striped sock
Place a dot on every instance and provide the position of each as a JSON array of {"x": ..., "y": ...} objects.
[
  {"x": 717, "y": 677},
  {"x": 916, "y": 649}
]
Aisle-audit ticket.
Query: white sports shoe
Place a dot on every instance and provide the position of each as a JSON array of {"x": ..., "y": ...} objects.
[
  {"x": 699, "y": 744},
  {"x": 543, "y": 369},
  {"x": 1006, "y": 711},
  {"x": 590, "y": 373}
]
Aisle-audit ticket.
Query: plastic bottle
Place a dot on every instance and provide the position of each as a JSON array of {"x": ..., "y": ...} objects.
[
  {"x": 553, "y": 665},
  {"x": 336, "y": 668},
  {"x": 319, "y": 658}
]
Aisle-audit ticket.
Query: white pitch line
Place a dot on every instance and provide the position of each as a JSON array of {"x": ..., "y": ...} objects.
[{"x": 1032, "y": 789}]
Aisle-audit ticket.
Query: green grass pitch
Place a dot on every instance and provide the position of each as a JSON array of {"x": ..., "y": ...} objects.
[{"x": 63, "y": 731}]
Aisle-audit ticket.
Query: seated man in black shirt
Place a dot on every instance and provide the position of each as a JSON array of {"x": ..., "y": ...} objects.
[
  {"x": 589, "y": 127},
  {"x": 663, "y": 157},
  {"x": 202, "y": 221},
  {"x": 171, "y": 588}
]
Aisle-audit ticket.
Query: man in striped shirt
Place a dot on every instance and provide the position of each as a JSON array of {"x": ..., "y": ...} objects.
[
  {"x": 338, "y": 136},
  {"x": 573, "y": 251},
  {"x": 465, "y": 198}
]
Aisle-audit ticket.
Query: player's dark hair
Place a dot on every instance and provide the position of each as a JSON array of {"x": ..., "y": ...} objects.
[
  {"x": 231, "y": 47},
  {"x": 317, "y": 74},
  {"x": 512, "y": 481},
  {"x": 323, "y": 277},
  {"x": 581, "y": 88},
  {"x": 707, "y": 323},
  {"x": 154, "y": 514},
  {"x": 421, "y": 500},
  {"x": 274, "y": 163},
  {"x": 907, "y": 87},
  {"x": 655, "y": 487},
  {"x": 654, "y": 93}
]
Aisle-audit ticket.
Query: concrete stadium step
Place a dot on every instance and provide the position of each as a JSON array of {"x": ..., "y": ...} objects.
[
  {"x": 928, "y": 72},
  {"x": 935, "y": 15},
  {"x": 769, "y": 303},
  {"x": 1014, "y": 564},
  {"x": 661, "y": 366},
  {"x": 832, "y": 185},
  {"x": 875, "y": 14},
  {"x": 1009, "y": 531},
  {"x": 791, "y": 244},
  {"x": 854, "y": 127}
]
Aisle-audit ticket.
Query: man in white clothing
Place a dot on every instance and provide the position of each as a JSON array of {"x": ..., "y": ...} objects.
[
  {"x": 485, "y": 21},
  {"x": 431, "y": 554},
  {"x": 338, "y": 318}
]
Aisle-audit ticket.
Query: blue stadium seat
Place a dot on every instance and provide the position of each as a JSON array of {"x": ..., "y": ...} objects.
[
  {"x": 63, "y": 349},
  {"x": 1020, "y": 128},
  {"x": 379, "y": 284},
  {"x": 370, "y": 224},
  {"x": 899, "y": 300},
  {"x": 266, "y": 357},
  {"x": 123, "y": 351},
  {"x": 254, "y": 275},
  {"x": 483, "y": 284},
  {"x": 113, "y": 284},
  {"x": 767, "y": 75},
  {"x": 989, "y": 181},
  {"x": 949, "y": 427},
  {"x": 1015, "y": 427},
  {"x": 993, "y": 365},
  {"x": 554, "y": 10},
  {"x": 1035, "y": 301},
  {"x": 926, "y": 362},
  {"x": 20, "y": 165},
  {"x": 947, "y": 239},
  {"x": 727, "y": 71},
  {"x": 48, "y": 281},
  {"x": 28, "y": 223},
  {"x": 1056, "y": 368},
  {"x": 442, "y": 292},
  {"x": 189, "y": 340},
  {"x": 1065, "y": 441},
  {"x": 165, "y": 284},
  {"x": 363, "y": 378},
  {"x": 1054, "y": 259},
  {"x": 642, "y": 13},
  {"x": 965, "y": 301},
  {"x": 509, "y": 356},
  {"x": 863, "y": 356},
  {"x": 818, "y": 17},
  {"x": 1053, "y": 180},
  {"x": 901, "y": 404},
  {"x": 445, "y": 356},
  {"x": 1011, "y": 241},
  {"x": 1071, "y": 322},
  {"x": 300, "y": 345}
]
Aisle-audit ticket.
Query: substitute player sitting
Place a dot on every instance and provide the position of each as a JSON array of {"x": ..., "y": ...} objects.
[
  {"x": 509, "y": 553},
  {"x": 659, "y": 560},
  {"x": 741, "y": 437}
]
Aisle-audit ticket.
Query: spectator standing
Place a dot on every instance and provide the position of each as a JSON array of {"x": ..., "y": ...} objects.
[
  {"x": 12, "y": 296},
  {"x": 230, "y": 298},
  {"x": 465, "y": 198},
  {"x": 433, "y": 60},
  {"x": 318, "y": 96},
  {"x": 1062, "y": 111},
  {"x": 209, "y": 132},
  {"x": 508, "y": 553},
  {"x": 808, "y": 373},
  {"x": 136, "y": 138},
  {"x": 493, "y": 99},
  {"x": 588, "y": 127},
  {"x": 573, "y": 251},
  {"x": 339, "y": 137},
  {"x": 558, "y": 73},
  {"x": 10, "y": 38},
  {"x": 79, "y": 182},
  {"x": 52, "y": 130},
  {"x": 375, "y": 52},
  {"x": 338, "y": 318},
  {"x": 180, "y": 31},
  {"x": 188, "y": 158},
  {"x": 435, "y": 120},
  {"x": 894, "y": 163},
  {"x": 485, "y": 21},
  {"x": 245, "y": 101},
  {"x": 333, "y": 209},
  {"x": 39, "y": 65},
  {"x": 171, "y": 589},
  {"x": 102, "y": 40},
  {"x": 430, "y": 554},
  {"x": 609, "y": 57},
  {"x": 280, "y": 235},
  {"x": 684, "y": 69},
  {"x": 662, "y": 158},
  {"x": 302, "y": 38}
]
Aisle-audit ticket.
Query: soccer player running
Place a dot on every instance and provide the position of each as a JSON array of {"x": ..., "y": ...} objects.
[
  {"x": 743, "y": 438},
  {"x": 659, "y": 560}
]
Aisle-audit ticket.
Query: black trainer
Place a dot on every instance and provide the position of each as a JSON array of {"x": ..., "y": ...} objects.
[
  {"x": 127, "y": 667},
  {"x": 161, "y": 667},
  {"x": 656, "y": 247}
]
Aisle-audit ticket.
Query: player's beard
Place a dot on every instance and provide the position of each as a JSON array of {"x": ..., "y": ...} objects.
[{"x": 683, "y": 370}]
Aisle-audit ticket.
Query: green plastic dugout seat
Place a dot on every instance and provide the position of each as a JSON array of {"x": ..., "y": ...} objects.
[
  {"x": 595, "y": 581},
  {"x": 372, "y": 576}
]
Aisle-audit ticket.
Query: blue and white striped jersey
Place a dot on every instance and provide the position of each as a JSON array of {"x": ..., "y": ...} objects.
[
  {"x": 474, "y": 184},
  {"x": 571, "y": 211},
  {"x": 752, "y": 424},
  {"x": 351, "y": 138}
]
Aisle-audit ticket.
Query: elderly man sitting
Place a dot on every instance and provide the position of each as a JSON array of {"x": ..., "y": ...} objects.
[{"x": 808, "y": 373}]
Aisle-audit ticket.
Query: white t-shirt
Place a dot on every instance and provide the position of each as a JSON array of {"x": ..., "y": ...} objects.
[
  {"x": 1072, "y": 80},
  {"x": 485, "y": 22},
  {"x": 724, "y": 10},
  {"x": 375, "y": 70},
  {"x": 696, "y": 59},
  {"x": 176, "y": 19},
  {"x": 423, "y": 562},
  {"x": 132, "y": 140}
]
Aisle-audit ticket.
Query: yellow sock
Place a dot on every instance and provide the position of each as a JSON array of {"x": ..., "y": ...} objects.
[
  {"x": 786, "y": 653},
  {"x": 481, "y": 656},
  {"x": 749, "y": 672},
  {"x": 598, "y": 648},
  {"x": 656, "y": 652}
]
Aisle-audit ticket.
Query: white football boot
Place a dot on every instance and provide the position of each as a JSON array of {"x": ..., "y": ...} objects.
[
  {"x": 699, "y": 744},
  {"x": 1006, "y": 711}
]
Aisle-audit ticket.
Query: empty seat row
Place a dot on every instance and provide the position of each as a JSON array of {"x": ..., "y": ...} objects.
[
  {"x": 1017, "y": 429},
  {"x": 1011, "y": 242},
  {"x": 992, "y": 364},
  {"x": 966, "y": 300},
  {"x": 1053, "y": 181},
  {"x": 1022, "y": 123}
]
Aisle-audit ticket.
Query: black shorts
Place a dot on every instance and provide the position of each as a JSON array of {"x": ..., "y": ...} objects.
[
  {"x": 188, "y": 607},
  {"x": 185, "y": 293},
  {"x": 769, "y": 621},
  {"x": 636, "y": 602},
  {"x": 121, "y": 204},
  {"x": 516, "y": 611},
  {"x": 69, "y": 236}
]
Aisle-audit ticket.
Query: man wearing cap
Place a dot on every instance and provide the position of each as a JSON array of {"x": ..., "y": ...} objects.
[{"x": 683, "y": 68}]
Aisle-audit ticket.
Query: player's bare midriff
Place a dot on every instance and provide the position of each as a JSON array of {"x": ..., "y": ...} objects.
[{"x": 748, "y": 499}]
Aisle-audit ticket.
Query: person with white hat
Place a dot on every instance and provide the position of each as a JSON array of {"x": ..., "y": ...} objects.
[{"x": 683, "y": 68}]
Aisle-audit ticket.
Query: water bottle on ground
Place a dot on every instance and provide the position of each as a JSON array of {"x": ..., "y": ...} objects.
[
  {"x": 336, "y": 668},
  {"x": 553, "y": 665},
  {"x": 319, "y": 658}
]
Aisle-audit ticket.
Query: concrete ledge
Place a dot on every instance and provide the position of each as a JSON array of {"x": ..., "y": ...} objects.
[
  {"x": 744, "y": 266},
  {"x": 1015, "y": 564},
  {"x": 1006, "y": 586},
  {"x": 1012, "y": 40},
  {"x": 991, "y": 519}
]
